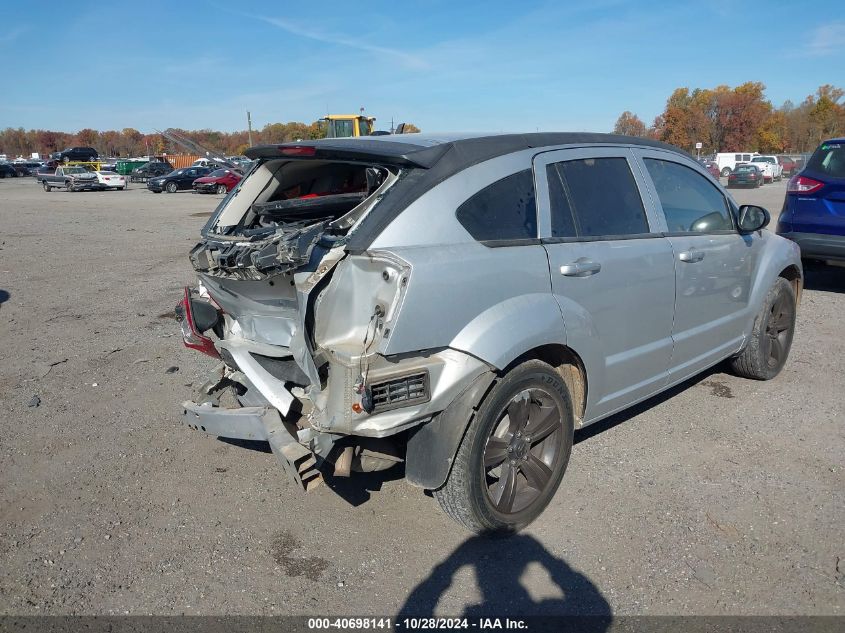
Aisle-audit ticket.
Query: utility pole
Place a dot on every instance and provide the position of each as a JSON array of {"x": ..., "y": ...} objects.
[{"x": 249, "y": 126}]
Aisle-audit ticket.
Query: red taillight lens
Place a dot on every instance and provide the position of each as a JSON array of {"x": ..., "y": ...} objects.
[
  {"x": 802, "y": 184},
  {"x": 297, "y": 150},
  {"x": 190, "y": 336}
]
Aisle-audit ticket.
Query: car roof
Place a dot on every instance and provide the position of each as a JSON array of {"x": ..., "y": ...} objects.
[{"x": 459, "y": 149}]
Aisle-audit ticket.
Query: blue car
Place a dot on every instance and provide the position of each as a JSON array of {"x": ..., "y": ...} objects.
[{"x": 813, "y": 214}]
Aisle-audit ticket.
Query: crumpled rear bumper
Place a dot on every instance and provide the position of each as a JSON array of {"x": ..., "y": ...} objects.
[
  {"x": 258, "y": 423},
  {"x": 245, "y": 423}
]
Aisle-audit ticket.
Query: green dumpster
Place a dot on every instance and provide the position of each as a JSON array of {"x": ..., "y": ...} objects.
[{"x": 125, "y": 167}]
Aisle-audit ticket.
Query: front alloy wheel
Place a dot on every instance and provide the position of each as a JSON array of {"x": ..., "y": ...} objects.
[
  {"x": 171, "y": 187},
  {"x": 771, "y": 338}
]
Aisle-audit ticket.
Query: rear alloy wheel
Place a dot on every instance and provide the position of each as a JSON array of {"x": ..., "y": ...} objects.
[
  {"x": 771, "y": 339},
  {"x": 171, "y": 187},
  {"x": 514, "y": 453},
  {"x": 726, "y": 172},
  {"x": 221, "y": 189}
]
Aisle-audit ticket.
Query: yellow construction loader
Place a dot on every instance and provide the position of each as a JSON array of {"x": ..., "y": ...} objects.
[{"x": 344, "y": 125}]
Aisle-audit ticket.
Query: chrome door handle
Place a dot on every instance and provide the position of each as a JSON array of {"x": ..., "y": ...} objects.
[
  {"x": 580, "y": 268},
  {"x": 692, "y": 255}
]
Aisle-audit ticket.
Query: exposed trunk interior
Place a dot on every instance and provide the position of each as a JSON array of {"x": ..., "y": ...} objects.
[{"x": 272, "y": 222}]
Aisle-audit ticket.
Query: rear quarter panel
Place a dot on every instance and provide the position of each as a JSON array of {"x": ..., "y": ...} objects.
[{"x": 492, "y": 302}]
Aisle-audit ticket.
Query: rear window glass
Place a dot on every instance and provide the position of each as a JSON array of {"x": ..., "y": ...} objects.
[
  {"x": 219, "y": 173},
  {"x": 595, "y": 197},
  {"x": 745, "y": 168},
  {"x": 829, "y": 159},
  {"x": 505, "y": 210}
]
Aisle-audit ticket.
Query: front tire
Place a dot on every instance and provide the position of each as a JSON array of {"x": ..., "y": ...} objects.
[
  {"x": 514, "y": 454},
  {"x": 171, "y": 187},
  {"x": 221, "y": 189},
  {"x": 771, "y": 338}
]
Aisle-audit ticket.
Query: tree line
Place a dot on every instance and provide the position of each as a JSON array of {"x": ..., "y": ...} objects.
[
  {"x": 130, "y": 142},
  {"x": 725, "y": 119}
]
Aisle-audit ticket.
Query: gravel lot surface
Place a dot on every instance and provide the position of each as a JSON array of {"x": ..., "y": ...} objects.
[{"x": 724, "y": 496}]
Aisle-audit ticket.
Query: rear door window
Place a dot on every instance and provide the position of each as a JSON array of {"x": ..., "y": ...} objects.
[
  {"x": 691, "y": 203},
  {"x": 595, "y": 197},
  {"x": 503, "y": 211},
  {"x": 829, "y": 159}
]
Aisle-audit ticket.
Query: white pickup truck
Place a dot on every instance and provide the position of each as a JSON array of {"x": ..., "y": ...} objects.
[{"x": 771, "y": 166}]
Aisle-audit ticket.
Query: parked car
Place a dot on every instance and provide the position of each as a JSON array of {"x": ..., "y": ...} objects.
[
  {"x": 7, "y": 171},
  {"x": 727, "y": 161},
  {"x": 44, "y": 170},
  {"x": 83, "y": 154},
  {"x": 711, "y": 167},
  {"x": 789, "y": 165},
  {"x": 813, "y": 214},
  {"x": 205, "y": 162},
  {"x": 176, "y": 180},
  {"x": 151, "y": 170},
  {"x": 746, "y": 175},
  {"x": 772, "y": 169},
  {"x": 321, "y": 291},
  {"x": 219, "y": 181},
  {"x": 71, "y": 178},
  {"x": 110, "y": 180}
]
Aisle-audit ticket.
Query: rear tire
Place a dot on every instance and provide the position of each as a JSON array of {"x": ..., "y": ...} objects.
[
  {"x": 514, "y": 453},
  {"x": 726, "y": 172},
  {"x": 47, "y": 187},
  {"x": 771, "y": 338}
]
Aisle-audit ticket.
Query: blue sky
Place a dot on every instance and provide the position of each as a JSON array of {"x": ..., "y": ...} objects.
[{"x": 444, "y": 65}]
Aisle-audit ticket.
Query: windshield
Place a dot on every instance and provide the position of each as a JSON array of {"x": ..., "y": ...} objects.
[
  {"x": 829, "y": 159},
  {"x": 762, "y": 159},
  {"x": 218, "y": 173}
]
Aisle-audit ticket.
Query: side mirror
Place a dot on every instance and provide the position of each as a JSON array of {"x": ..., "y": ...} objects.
[{"x": 753, "y": 218}]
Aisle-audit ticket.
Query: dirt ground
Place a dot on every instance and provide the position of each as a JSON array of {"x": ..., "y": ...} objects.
[{"x": 724, "y": 496}]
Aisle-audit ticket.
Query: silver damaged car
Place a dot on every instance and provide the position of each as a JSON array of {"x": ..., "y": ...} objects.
[{"x": 460, "y": 304}]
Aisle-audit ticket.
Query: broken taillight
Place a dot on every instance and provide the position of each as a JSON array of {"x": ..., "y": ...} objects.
[{"x": 191, "y": 337}]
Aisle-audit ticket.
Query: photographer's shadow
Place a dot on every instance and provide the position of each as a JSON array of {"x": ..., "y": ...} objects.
[{"x": 498, "y": 565}]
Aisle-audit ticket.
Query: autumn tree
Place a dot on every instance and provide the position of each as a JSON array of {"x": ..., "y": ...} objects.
[
  {"x": 826, "y": 115},
  {"x": 629, "y": 124}
]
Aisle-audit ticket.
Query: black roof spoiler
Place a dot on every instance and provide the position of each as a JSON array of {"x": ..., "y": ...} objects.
[{"x": 357, "y": 150}]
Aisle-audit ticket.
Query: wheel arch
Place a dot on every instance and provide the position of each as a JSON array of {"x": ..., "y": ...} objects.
[
  {"x": 432, "y": 447},
  {"x": 794, "y": 276},
  {"x": 569, "y": 365},
  {"x": 780, "y": 259}
]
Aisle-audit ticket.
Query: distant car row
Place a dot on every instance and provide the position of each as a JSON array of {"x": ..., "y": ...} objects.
[
  {"x": 754, "y": 171},
  {"x": 200, "y": 179},
  {"x": 781, "y": 164}
]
